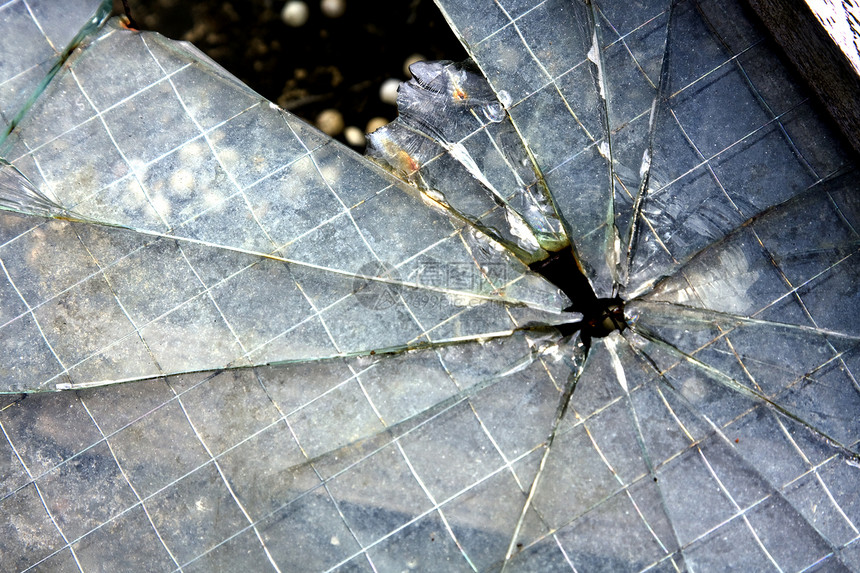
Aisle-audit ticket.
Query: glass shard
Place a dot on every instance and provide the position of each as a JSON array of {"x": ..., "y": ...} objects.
[
  {"x": 454, "y": 140},
  {"x": 333, "y": 367},
  {"x": 544, "y": 59},
  {"x": 264, "y": 187},
  {"x": 37, "y": 38}
]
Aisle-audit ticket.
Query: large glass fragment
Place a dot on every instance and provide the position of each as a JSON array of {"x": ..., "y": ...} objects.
[
  {"x": 331, "y": 367},
  {"x": 547, "y": 60},
  {"x": 179, "y": 235},
  {"x": 454, "y": 139},
  {"x": 37, "y": 38}
]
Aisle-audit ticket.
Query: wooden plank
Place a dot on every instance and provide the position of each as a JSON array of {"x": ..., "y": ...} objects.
[{"x": 818, "y": 58}]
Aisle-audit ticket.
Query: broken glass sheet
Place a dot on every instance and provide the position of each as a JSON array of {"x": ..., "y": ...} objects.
[
  {"x": 454, "y": 139},
  {"x": 190, "y": 212},
  {"x": 334, "y": 366},
  {"x": 37, "y": 37}
]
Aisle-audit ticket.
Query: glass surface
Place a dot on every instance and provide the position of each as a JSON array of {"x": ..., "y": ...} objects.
[{"x": 229, "y": 343}]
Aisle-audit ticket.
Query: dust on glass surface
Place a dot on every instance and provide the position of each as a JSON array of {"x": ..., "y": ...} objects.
[{"x": 589, "y": 304}]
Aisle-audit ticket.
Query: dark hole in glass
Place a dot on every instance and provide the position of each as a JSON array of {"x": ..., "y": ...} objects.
[
  {"x": 601, "y": 316},
  {"x": 328, "y": 63}
]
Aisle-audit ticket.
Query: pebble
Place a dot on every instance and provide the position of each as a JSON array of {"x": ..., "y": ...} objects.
[
  {"x": 375, "y": 123},
  {"x": 388, "y": 91},
  {"x": 330, "y": 122},
  {"x": 333, "y": 8},
  {"x": 295, "y": 13},
  {"x": 409, "y": 61},
  {"x": 354, "y": 136}
]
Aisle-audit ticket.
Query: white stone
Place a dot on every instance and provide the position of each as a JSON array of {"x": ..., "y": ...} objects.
[
  {"x": 330, "y": 121},
  {"x": 375, "y": 123},
  {"x": 388, "y": 91},
  {"x": 354, "y": 136},
  {"x": 414, "y": 58},
  {"x": 333, "y": 8},
  {"x": 295, "y": 13}
]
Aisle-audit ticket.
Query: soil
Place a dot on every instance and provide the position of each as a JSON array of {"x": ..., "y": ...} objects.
[{"x": 327, "y": 63}]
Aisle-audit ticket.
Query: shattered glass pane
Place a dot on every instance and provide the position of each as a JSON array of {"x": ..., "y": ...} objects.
[
  {"x": 253, "y": 242},
  {"x": 330, "y": 364},
  {"x": 455, "y": 141},
  {"x": 37, "y": 36}
]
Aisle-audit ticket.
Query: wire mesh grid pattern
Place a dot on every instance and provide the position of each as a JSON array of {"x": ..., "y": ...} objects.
[
  {"x": 718, "y": 429},
  {"x": 134, "y": 325}
]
